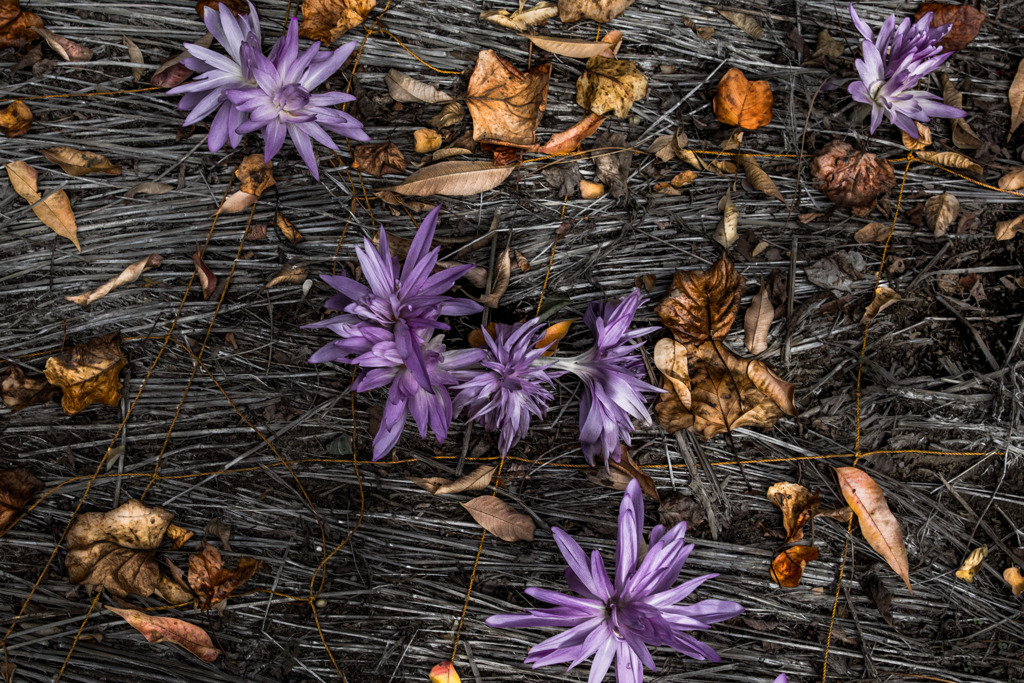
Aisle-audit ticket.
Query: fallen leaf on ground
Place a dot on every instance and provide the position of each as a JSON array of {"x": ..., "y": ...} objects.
[
  {"x": 168, "y": 630},
  {"x": 405, "y": 88},
  {"x": 743, "y": 103},
  {"x": 608, "y": 46},
  {"x": 757, "y": 322},
  {"x": 626, "y": 465},
  {"x": 877, "y": 594},
  {"x": 1007, "y": 230},
  {"x": 940, "y": 211},
  {"x": 207, "y": 280},
  {"x": 88, "y": 373},
  {"x": 872, "y": 232},
  {"x": 211, "y": 581},
  {"x": 877, "y": 523},
  {"x": 1011, "y": 575},
  {"x": 426, "y": 140},
  {"x": 177, "y": 536},
  {"x": 444, "y": 673},
  {"x": 570, "y": 139},
  {"x": 379, "y": 159},
  {"x": 852, "y": 179},
  {"x": 702, "y": 305},
  {"x": 923, "y": 139},
  {"x": 590, "y": 190},
  {"x": 554, "y": 334},
  {"x": 288, "y": 229},
  {"x": 678, "y": 181},
  {"x": 676, "y": 507},
  {"x": 78, "y": 163},
  {"x": 17, "y": 487},
  {"x": 972, "y": 564},
  {"x": 454, "y": 179},
  {"x": 237, "y": 7},
  {"x": 255, "y": 174},
  {"x": 522, "y": 18},
  {"x": 601, "y": 11},
  {"x": 953, "y": 160},
  {"x": 54, "y": 210},
  {"x": 1014, "y": 180},
  {"x": 117, "y": 549},
  {"x": 745, "y": 22},
  {"x": 966, "y": 23},
  {"x": 884, "y": 298},
  {"x": 129, "y": 274},
  {"x": 612, "y": 157},
  {"x": 69, "y": 50},
  {"x": 290, "y": 274},
  {"x": 173, "y": 71},
  {"x": 798, "y": 506},
  {"x": 1016, "y": 97},
  {"x": 15, "y": 119},
  {"x": 478, "y": 479},
  {"x": 760, "y": 180},
  {"x": 148, "y": 188},
  {"x": 788, "y": 566},
  {"x": 838, "y": 272},
  {"x": 451, "y": 113},
  {"x": 726, "y": 233},
  {"x": 505, "y": 104},
  {"x": 610, "y": 85},
  {"x": 827, "y": 48},
  {"x": 499, "y": 283},
  {"x": 18, "y": 390},
  {"x": 705, "y": 33},
  {"x": 564, "y": 177},
  {"x": 327, "y": 20},
  {"x": 221, "y": 531},
  {"x": 16, "y": 25},
  {"x": 496, "y": 516}
]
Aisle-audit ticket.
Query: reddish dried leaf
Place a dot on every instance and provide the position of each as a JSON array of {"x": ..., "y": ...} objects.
[
  {"x": 743, "y": 103},
  {"x": 877, "y": 522},
  {"x": 570, "y": 139},
  {"x": 444, "y": 673},
  {"x": 505, "y": 104},
  {"x": 88, "y": 373},
  {"x": 172, "y": 72},
  {"x": 788, "y": 566},
  {"x": 797, "y": 504},
  {"x": 168, "y": 630},
  {"x": 16, "y": 25},
  {"x": 379, "y": 159},
  {"x": 17, "y": 488},
  {"x": 966, "y": 23},
  {"x": 327, "y": 20},
  {"x": 207, "y": 279},
  {"x": 851, "y": 179},
  {"x": 69, "y": 50},
  {"x": 20, "y": 391},
  {"x": 15, "y": 119},
  {"x": 211, "y": 581}
]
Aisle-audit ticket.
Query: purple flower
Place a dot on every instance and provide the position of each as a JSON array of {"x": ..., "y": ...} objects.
[
  {"x": 509, "y": 390},
  {"x": 893, "y": 64},
  {"x": 611, "y": 372},
  {"x": 619, "y": 621},
  {"x": 782, "y": 678},
  {"x": 282, "y": 102},
  {"x": 220, "y": 74}
]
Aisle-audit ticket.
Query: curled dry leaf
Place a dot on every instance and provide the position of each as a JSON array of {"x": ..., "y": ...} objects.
[
  {"x": 788, "y": 566},
  {"x": 940, "y": 211},
  {"x": 554, "y": 334},
  {"x": 88, "y": 373},
  {"x": 255, "y": 174},
  {"x": 17, "y": 487},
  {"x": 1007, "y": 230},
  {"x": 168, "y": 630},
  {"x": 877, "y": 523},
  {"x": 499, "y": 283},
  {"x": 757, "y": 322},
  {"x": 610, "y": 85},
  {"x": 173, "y": 71},
  {"x": 444, "y": 673},
  {"x": 148, "y": 188},
  {"x": 564, "y": 176},
  {"x": 69, "y": 50},
  {"x": 872, "y": 232},
  {"x": 15, "y": 119},
  {"x": 290, "y": 274},
  {"x": 601, "y": 11},
  {"x": 327, "y": 20},
  {"x": 16, "y": 25},
  {"x": 1011, "y": 575},
  {"x": 451, "y": 114},
  {"x": 972, "y": 564},
  {"x": 1014, "y": 180},
  {"x": 237, "y": 7},
  {"x": 135, "y": 55},
  {"x": 496, "y": 516},
  {"x": 211, "y": 581},
  {"x": 1016, "y": 97},
  {"x": 678, "y": 181},
  {"x": 705, "y": 33},
  {"x": 852, "y": 179},
  {"x": 747, "y": 23},
  {"x": 129, "y": 274},
  {"x": 379, "y": 159},
  {"x": 626, "y": 465},
  {"x": 505, "y": 104},
  {"x": 727, "y": 232},
  {"x": 702, "y": 305},
  {"x": 612, "y": 157},
  {"x": 798, "y": 506},
  {"x": 923, "y": 140},
  {"x": 827, "y": 48},
  {"x": 288, "y": 229},
  {"x": 608, "y": 46},
  {"x": 207, "y": 280},
  {"x": 454, "y": 179},
  {"x": 884, "y": 298},
  {"x": 570, "y": 139},
  {"x": 522, "y": 19},
  {"x": 966, "y": 23},
  {"x": 952, "y": 160},
  {"x": 478, "y": 479},
  {"x": 405, "y": 88},
  {"x": 54, "y": 210},
  {"x": 589, "y": 190},
  {"x": 18, "y": 390},
  {"x": 117, "y": 549},
  {"x": 759, "y": 179},
  {"x": 177, "y": 536},
  {"x": 426, "y": 140},
  {"x": 743, "y": 103},
  {"x": 78, "y": 163},
  {"x": 237, "y": 202}
]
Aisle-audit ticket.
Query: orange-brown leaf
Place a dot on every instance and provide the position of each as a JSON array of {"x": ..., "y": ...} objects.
[
  {"x": 168, "y": 630},
  {"x": 850, "y": 178},
  {"x": 757, "y": 322},
  {"x": 379, "y": 159},
  {"x": 966, "y": 23},
  {"x": 702, "y": 305},
  {"x": 207, "y": 280},
  {"x": 255, "y": 174},
  {"x": 877, "y": 523},
  {"x": 505, "y": 104},
  {"x": 18, "y": 390},
  {"x": 288, "y": 229},
  {"x": 554, "y": 334},
  {"x": 797, "y": 505},
  {"x": 496, "y": 516},
  {"x": 16, "y": 25},
  {"x": 328, "y": 20},
  {"x": 444, "y": 672},
  {"x": 627, "y": 466},
  {"x": 78, "y": 162},
  {"x": 88, "y": 373},
  {"x": 743, "y": 103},
  {"x": 211, "y": 581},
  {"x": 17, "y": 488},
  {"x": 54, "y": 210},
  {"x": 788, "y": 566},
  {"x": 15, "y": 119}
]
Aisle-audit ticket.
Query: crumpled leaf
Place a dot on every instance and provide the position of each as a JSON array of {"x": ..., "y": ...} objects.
[
  {"x": 852, "y": 179},
  {"x": 117, "y": 549},
  {"x": 608, "y": 46},
  {"x": 148, "y": 188},
  {"x": 522, "y": 19},
  {"x": 379, "y": 159},
  {"x": 290, "y": 274},
  {"x": 505, "y": 104},
  {"x": 426, "y": 140},
  {"x": 478, "y": 479},
  {"x": 589, "y": 190},
  {"x": 601, "y": 11},
  {"x": 444, "y": 672},
  {"x": 54, "y": 210},
  {"x": 702, "y": 305},
  {"x": 207, "y": 280},
  {"x": 454, "y": 179},
  {"x": 405, "y": 88},
  {"x": 884, "y": 298},
  {"x": 798, "y": 506},
  {"x": 1011, "y": 575},
  {"x": 827, "y": 48},
  {"x": 727, "y": 232},
  {"x": 838, "y": 272},
  {"x": 757, "y": 322},
  {"x": 626, "y": 465},
  {"x": 877, "y": 523},
  {"x": 69, "y": 50},
  {"x": 211, "y": 581},
  {"x": 972, "y": 564},
  {"x": 177, "y": 535},
  {"x": 18, "y": 390},
  {"x": 255, "y": 174},
  {"x": 747, "y": 23},
  {"x": 78, "y": 163},
  {"x": 168, "y": 630},
  {"x": 328, "y": 20},
  {"x": 565, "y": 177},
  {"x": 612, "y": 157},
  {"x": 17, "y": 487},
  {"x": 788, "y": 566},
  {"x": 966, "y": 23},
  {"x": 940, "y": 211},
  {"x": 129, "y": 274},
  {"x": 16, "y": 25},
  {"x": 610, "y": 85},
  {"x": 173, "y": 72},
  {"x": 743, "y": 103},
  {"x": 872, "y": 232},
  {"x": 15, "y": 119},
  {"x": 288, "y": 229},
  {"x": 496, "y": 516},
  {"x": 952, "y": 160},
  {"x": 499, "y": 283},
  {"x": 760, "y": 180},
  {"x": 88, "y": 373},
  {"x": 1007, "y": 230}
]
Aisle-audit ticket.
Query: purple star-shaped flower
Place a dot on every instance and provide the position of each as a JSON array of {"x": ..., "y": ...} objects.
[{"x": 620, "y": 620}]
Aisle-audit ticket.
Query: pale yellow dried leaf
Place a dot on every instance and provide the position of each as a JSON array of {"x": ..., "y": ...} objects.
[
  {"x": 454, "y": 179},
  {"x": 924, "y": 138},
  {"x": 610, "y": 85},
  {"x": 426, "y": 140},
  {"x": 749, "y": 25},
  {"x": 1016, "y": 97},
  {"x": 884, "y": 297},
  {"x": 1007, "y": 230},
  {"x": 589, "y": 190},
  {"x": 727, "y": 231},
  {"x": 757, "y": 322},
  {"x": 1014, "y": 180},
  {"x": 972, "y": 564},
  {"x": 759, "y": 179},
  {"x": 608, "y": 46},
  {"x": 405, "y": 88},
  {"x": 54, "y": 210},
  {"x": 872, "y": 232},
  {"x": 129, "y": 274},
  {"x": 1013, "y": 577},
  {"x": 522, "y": 19}
]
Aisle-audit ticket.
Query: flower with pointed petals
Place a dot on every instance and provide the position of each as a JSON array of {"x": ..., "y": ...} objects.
[
  {"x": 508, "y": 392},
  {"x": 781, "y": 678},
  {"x": 893, "y": 63},
  {"x": 220, "y": 74},
  {"x": 620, "y": 620},
  {"x": 611, "y": 372},
  {"x": 282, "y": 103}
]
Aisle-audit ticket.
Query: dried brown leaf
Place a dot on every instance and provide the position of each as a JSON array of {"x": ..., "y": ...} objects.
[
  {"x": 884, "y": 298},
  {"x": 608, "y": 46},
  {"x": 88, "y": 373},
  {"x": 69, "y": 50},
  {"x": 627, "y": 466},
  {"x": 18, "y": 390},
  {"x": 237, "y": 202},
  {"x": 54, "y": 210},
  {"x": 135, "y": 55},
  {"x": 923, "y": 139},
  {"x": 1016, "y": 97},
  {"x": 972, "y": 564},
  {"x": 952, "y": 160},
  {"x": 237, "y": 7},
  {"x": 612, "y": 157},
  {"x": 454, "y": 179},
  {"x": 221, "y": 531},
  {"x": 852, "y": 179},
  {"x": 757, "y": 322},
  {"x": 426, "y": 140},
  {"x": 169, "y": 630},
  {"x": 129, "y": 274},
  {"x": 1007, "y": 230},
  {"x": 570, "y": 139},
  {"x": 16, "y": 25},
  {"x": 872, "y": 232},
  {"x": 505, "y": 104},
  {"x": 759, "y": 179},
  {"x": 499, "y": 283},
  {"x": 379, "y": 159},
  {"x": 451, "y": 114},
  {"x": 727, "y": 231},
  {"x": 610, "y": 85},
  {"x": 747, "y": 23},
  {"x": 601, "y": 11},
  {"x": 255, "y": 174},
  {"x": 743, "y": 103},
  {"x": 496, "y": 516},
  {"x": 965, "y": 23},
  {"x": 78, "y": 163},
  {"x": 798, "y": 506},
  {"x": 173, "y": 72},
  {"x": 877, "y": 523},
  {"x": 15, "y": 119},
  {"x": 702, "y": 305},
  {"x": 522, "y": 18},
  {"x": 177, "y": 535},
  {"x": 148, "y": 188},
  {"x": 705, "y": 33},
  {"x": 589, "y": 190},
  {"x": 478, "y": 479},
  {"x": 288, "y": 229},
  {"x": 940, "y": 211},
  {"x": 827, "y": 48},
  {"x": 211, "y": 581},
  {"x": 207, "y": 280},
  {"x": 328, "y": 20},
  {"x": 788, "y": 566},
  {"x": 17, "y": 487},
  {"x": 1014, "y": 180},
  {"x": 290, "y": 274},
  {"x": 405, "y": 88}
]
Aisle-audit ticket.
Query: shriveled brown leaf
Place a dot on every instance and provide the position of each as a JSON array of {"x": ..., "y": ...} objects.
[
  {"x": 612, "y": 157},
  {"x": 454, "y": 179},
  {"x": 405, "y": 88},
  {"x": 747, "y": 23},
  {"x": 965, "y": 23},
  {"x": 757, "y": 321},
  {"x": 506, "y": 105},
  {"x": 678, "y": 181},
  {"x": 451, "y": 113},
  {"x": 798, "y": 506},
  {"x": 15, "y": 119},
  {"x": 923, "y": 139},
  {"x": 872, "y": 232},
  {"x": 173, "y": 72},
  {"x": 169, "y": 630},
  {"x": 1011, "y": 575},
  {"x": 255, "y": 174},
  {"x": 610, "y": 85},
  {"x": 16, "y": 25},
  {"x": 972, "y": 564},
  {"x": 129, "y": 274},
  {"x": 953, "y": 160},
  {"x": 564, "y": 177},
  {"x": 877, "y": 523},
  {"x": 1016, "y": 97},
  {"x": 499, "y": 283},
  {"x": 608, "y": 46},
  {"x": 702, "y": 305},
  {"x": 884, "y": 298},
  {"x": 1007, "y": 230},
  {"x": 601, "y": 11},
  {"x": 288, "y": 229},
  {"x": 328, "y": 20},
  {"x": 523, "y": 18},
  {"x": 290, "y": 274},
  {"x": 852, "y": 179},
  {"x": 177, "y": 535},
  {"x": 211, "y": 581},
  {"x": 379, "y": 159},
  {"x": 743, "y": 103},
  {"x": 827, "y": 48},
  {"x": 237, "y": 7},
  {"x": 676, "y": 507},
  {"x": 69, "y": 50},
  {"x": 117, "y": 549},
  {"x": 1014, "y": 180},
  {"x": 220, "y": 531},
  {"x": 478, "y": 479},
  {"x": 496, "y": 516},
  {"x": 727, "y": 231},
  {"x": 148, "y": 188},
  {"x": 88, "y": 373},
  {"x": 759, "y": 179},
  {"x": 17, "y": 487},
  {"x": 18, "y": 390},
  {"x": 940, "y": 211},
  {"x": 78, "y": 162},
  {"x": 627, "y": 466},
  {"x": 788, "y": 566},
  {"x": 54, "y": 210},
  {"x": 662, "y": 148},
  {"x": 207, "y": 280},
  {"x": 705, "y": 33}
]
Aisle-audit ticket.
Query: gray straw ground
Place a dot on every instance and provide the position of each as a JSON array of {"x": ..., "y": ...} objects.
[{"x": 389, "y": 566}]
